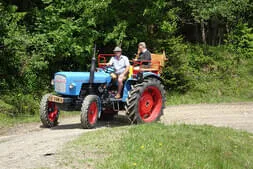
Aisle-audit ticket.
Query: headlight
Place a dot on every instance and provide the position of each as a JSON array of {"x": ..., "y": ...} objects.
[
  {"x": 72, "y": 85},
  {"x": 52, "y": 82}
]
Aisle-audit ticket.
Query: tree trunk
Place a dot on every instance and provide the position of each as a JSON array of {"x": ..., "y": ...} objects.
[
  {"x": 220, "y": 35},
  {"x": 197, "y": 39},
  {"x": 215, "y": 32},
  {"x": 203, "y": 31},
  {"x": 227, "y": 28}
]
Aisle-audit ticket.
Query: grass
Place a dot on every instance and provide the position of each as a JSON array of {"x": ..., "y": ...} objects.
[
  {"x": 9, "y": 121},
  {"x": 156, "y": 146},
  {"x": 194, "y": 97},
  {"x": 91, "y": 148}
]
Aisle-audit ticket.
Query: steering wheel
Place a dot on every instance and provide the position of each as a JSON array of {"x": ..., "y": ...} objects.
[{"x": 108, "y": 69}]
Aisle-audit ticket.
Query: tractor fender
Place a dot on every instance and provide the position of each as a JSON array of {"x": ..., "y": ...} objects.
[
  {"x": 151, "y": 75},
  {"x": 128, "y": 83}
]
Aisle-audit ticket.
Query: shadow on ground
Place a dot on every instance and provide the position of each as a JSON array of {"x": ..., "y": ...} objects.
[{"x": 117, "y": 121}]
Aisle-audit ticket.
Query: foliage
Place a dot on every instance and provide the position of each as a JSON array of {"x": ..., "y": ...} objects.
[
  {"x": 22, "y": 104},
  {"x": 219, "y": 79},
  {"x": 176, "y": 73},
  {"x": 240, "y": 40},
  {"x": 21, "y": 65},
  {"x": 6, "y": 108},
  {"x": 215, "y": 18}
]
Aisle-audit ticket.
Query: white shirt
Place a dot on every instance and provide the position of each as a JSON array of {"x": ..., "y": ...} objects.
[{"x": 119, "y": 64}]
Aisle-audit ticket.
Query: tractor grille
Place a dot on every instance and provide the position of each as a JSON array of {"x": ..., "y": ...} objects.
[{"x": 60, "y": 84}]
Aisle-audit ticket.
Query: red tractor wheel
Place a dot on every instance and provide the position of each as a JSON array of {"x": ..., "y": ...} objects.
[
  {"x": 146, "y": 101},
  {"x": 49, "y": 112},
  {"x": 90, "y": 111},
  {"x": 150, "y": 104}
]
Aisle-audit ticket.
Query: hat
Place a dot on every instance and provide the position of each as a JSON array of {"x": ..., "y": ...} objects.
[{"x": 117, "y": 49}]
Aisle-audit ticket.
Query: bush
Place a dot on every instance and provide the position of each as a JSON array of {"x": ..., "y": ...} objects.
[
  {"x": 240, "y": 40},
  {"x": 6, "y": 108},
  {"x": 201, "y": 69},
  {"x": 23, "y": 104},
  {"x": 176, "y": 73}
]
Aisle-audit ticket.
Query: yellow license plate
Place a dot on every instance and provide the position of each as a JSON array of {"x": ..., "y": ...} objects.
[{"x": 56, "y": 99}]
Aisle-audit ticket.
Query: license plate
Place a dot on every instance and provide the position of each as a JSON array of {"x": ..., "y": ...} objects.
[{"x": 56, "y": 99}]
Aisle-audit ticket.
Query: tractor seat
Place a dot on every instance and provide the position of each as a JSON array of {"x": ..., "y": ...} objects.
[
  {"x": 157, "y": 64},
  {"x": 101, "y": 65}
]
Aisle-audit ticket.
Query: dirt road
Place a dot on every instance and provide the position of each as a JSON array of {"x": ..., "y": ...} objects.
[
  {"x": 237, "y": 115},
  {"x": 31, "y": 146}
]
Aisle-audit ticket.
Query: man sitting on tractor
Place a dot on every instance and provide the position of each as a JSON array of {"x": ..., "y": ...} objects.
[
  {"x": 144, "y": 54},
  {"x": 121, "y": 65}
]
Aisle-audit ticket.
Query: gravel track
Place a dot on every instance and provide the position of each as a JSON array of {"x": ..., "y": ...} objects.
[
  {"x": 235, "y": 115},
  {"x": 31, "y": 146}
]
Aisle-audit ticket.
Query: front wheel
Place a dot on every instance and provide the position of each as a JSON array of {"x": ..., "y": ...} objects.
[
  {"x": 146, "y": 101},
  {"x": 49, "y": 112},
  {"x": 90, "y": 111}
]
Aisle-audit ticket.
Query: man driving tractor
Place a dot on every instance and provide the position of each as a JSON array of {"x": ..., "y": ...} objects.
[{"x": 121, "y": 65}]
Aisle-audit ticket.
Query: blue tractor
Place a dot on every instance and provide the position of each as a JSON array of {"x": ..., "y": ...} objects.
[{"x": 143, "y": 96}]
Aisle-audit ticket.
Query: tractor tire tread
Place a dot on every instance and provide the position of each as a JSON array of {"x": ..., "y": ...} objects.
[
  {"x": 134, "y": 95},
  {"x": 84, "y": 111},
  {"x": 44, "y": 113}
]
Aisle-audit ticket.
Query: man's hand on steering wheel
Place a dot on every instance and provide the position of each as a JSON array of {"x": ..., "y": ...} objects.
[{"x": 108, "y": 68}]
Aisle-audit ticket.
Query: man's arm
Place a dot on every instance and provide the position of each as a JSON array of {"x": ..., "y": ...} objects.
[
  {"x": 140, "y": 58},
  {"x": 110, "y": 63},
  {"x": 126, "y": 70},
  {"x": 147, "y": 56},
  {"x": 127, "y": 63}
]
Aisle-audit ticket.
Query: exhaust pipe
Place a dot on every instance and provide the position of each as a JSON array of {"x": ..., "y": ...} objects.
[{"x": 92, "y": 71}]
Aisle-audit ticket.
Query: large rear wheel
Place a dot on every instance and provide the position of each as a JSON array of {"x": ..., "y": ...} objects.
[
  {"x": 49, "y": 112},
  {"x": 146, "y": 101},
  {"x": 89, "y": 111}
]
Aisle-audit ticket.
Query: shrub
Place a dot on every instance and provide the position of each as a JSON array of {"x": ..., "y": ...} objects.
[
  {"x": 240, "y": 40},
  {"x": 191, "y": 66},
  {"x": 176, "y": 73},
  {"x": 23, "y": 104},
  {"x": 6, "y": 108}
]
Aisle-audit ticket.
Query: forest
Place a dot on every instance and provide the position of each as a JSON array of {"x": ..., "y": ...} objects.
[{"x": 208, "y": 43}]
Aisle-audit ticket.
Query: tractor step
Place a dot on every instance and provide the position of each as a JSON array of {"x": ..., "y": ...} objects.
[
  {"x": 115, "y": 104},
  {"x": 115, "y": 100}
]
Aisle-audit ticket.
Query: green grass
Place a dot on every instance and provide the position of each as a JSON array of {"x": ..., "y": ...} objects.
[
  {"x": 194, "y": 97},
  {"x": 156, "y": 146},
  {"x": 91, "y": 148},
  {"x": 9, "y": 121}
]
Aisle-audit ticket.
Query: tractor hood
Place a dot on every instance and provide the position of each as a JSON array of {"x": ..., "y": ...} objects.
[{"x": 70, "y": 83}]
